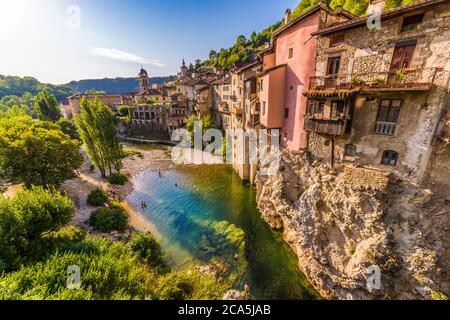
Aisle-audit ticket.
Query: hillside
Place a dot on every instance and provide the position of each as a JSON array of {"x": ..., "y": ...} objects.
[
  {"x": 244, "y": 49},
  {"x": 17, "y": 86},
  {"x": 113, "y": 86},
  {"x": 14, "y": 87}
]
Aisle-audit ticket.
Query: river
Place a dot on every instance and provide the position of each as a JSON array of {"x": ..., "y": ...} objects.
[{"x": 206, "y": 215}]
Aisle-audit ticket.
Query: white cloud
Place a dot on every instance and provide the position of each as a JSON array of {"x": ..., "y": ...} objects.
[{"x": 124, "y": 56}]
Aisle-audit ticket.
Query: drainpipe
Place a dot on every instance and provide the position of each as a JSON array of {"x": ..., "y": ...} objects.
[{"x": 332, "y": 152}]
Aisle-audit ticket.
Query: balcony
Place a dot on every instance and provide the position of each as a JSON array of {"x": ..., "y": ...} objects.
[
  {"x": 238, "y": 110},
  {"x": 255, "y": 108},
  {"x": 406, "y": 79},
  {"x": 385, "y": 128},
  {"x": 224, "y": 108},
  {"x": 332, "y": 127}
]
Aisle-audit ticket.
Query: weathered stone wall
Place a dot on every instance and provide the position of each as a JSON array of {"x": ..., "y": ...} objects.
[
  {"x": 340, "y": 222},
  {"x": 371, "y": 51}
]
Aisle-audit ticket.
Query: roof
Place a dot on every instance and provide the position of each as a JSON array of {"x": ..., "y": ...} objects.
[
  {"x": 222, "y": 81},
  {"x": 387, "y": 14},
  {"x": 150, "y": 92},
  {"x": 202, "y": 89},
  {"x": 313, "y": 10},
  {"x": 249, "y": 65},
  {"x": 274, "y": 68}
]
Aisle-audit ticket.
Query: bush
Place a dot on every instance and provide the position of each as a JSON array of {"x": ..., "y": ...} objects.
[
  {"x": 118, "y": 178},
  {"x": 109, "y": 219},
  {"x": 124, "y": 111},
  {"x": 149, "y": 251},
  {"x": 97, "y": 197},
  {"x": 25, "y": 218}
]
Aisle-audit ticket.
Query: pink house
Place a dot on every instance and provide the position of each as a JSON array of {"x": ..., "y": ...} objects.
[{"x": 288, "y": 67}]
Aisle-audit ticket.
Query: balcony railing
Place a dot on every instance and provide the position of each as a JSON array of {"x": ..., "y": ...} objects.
[
  {"x": 336, "y": 128},
  {"x": 385, "y": 128},
  {"x": 420, "y": 79}
]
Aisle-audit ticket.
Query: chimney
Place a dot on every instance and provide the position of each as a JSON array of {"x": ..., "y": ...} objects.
[
  {"x": 287, "y": 16},
  {"x": 375, "y": 6}
]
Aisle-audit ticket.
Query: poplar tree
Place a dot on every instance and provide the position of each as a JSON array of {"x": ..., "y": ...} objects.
[
  {"x": 47, "y": 107},
  {"x": 99, "y": 134}
]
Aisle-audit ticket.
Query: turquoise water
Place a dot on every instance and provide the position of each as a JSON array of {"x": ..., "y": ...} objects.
[{"x": 205, "y": 215}]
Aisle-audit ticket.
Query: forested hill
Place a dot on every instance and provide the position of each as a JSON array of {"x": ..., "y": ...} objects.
[
  {"x": 17, "y": 86},
  {"x": 112, "y": 86},
  {"x": 244, "y": 48}
]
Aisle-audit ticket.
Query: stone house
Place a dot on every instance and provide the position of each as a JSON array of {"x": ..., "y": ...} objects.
[{"x": 381, "y": 88}]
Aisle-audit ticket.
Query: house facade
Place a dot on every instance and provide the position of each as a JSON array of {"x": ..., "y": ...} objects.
[
  {"x": 288, "y": 65},
  {"x": 379, "y": 94}
]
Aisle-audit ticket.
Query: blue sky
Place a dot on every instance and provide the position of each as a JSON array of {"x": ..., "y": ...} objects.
[{"x": 41, "y": 38}]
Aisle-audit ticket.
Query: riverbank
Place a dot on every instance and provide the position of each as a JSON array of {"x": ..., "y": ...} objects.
[{"x": 149, "y": 157}]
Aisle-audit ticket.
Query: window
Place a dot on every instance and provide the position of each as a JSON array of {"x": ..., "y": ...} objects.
[
  {"x": 319, "y": 107},
  {"x": 403, "y": 54},
  {"x": 387, "y": 118},
  {"x": 337, "y": 109},
  {"x": 350, "y": 150},
  {"x": 286, "y": 113},
  {"x": 264, "y": 108},
  {"x": 291, "y": 53},
  {"x": 262, "y": 85},
  {"x": 412, "y": 22},
  {"x": 337, "y": 39},
  {"x": 334, "y": 64},
  {"x": 389, "y": 158}
]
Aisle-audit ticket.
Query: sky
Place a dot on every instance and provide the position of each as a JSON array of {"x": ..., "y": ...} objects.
[{"x": 57, "y": 41}]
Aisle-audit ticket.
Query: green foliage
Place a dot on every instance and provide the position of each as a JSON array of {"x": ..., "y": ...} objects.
[
  {"x": 36, "y": 153},
  {"x": 243, "y": 51},
  {"x": 98, "y": 132},
  {"x": 130, "y": 154},
  {"x": 124, "y": 111},
  {"x": 97, "y": 197},
  {"x": 25, "y": 102},
  {"x": 109, "y": 219},
  {"x": 206, "y": 121},
  {"x": 439, "y": 296},
  {"x": 118, "y": 178},
  {"x": 189, "y": 286},
  {"x": 149, "y": 251},
  {"x": 47, "y": 107},
  {"x": 25, "y": 218},
  {"x": 68, "y": 127},
  {"x": 16, "y": 86},
  {"x": 109, "y": 271}
]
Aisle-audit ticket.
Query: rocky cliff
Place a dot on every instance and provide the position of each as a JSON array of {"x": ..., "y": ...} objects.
[{"x": 341, "y": 222}]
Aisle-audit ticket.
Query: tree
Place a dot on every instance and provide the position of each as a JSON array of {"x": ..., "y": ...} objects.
[
  {"x": 98, "y": 131},
  {"x": 37, "y": 153},
  {"x": 124, "y": 111},
  {"x": 47, "y": 107},
  {"x": 198, "y": 64},
  {"x": 69, "y": 128},
  {"x": 212, "y": 54}
]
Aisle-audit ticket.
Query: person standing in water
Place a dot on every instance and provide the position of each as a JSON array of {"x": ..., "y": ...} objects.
[{"x": 246, "y": 291}]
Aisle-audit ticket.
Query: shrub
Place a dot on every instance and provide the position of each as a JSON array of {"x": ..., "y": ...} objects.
[
  {"x": 109, "y": 219},
  {"x": 118, "y": 178},
  {"x": 149, "y": 251},
  {"x": 25, "y": 218},
  {"x": 379, "y": 80},
  {"x": 97, "y": 197},
  {"x": 124, "y": 111}
]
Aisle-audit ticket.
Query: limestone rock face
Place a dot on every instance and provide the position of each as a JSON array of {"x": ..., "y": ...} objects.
[{"x": 342, "y": 223}]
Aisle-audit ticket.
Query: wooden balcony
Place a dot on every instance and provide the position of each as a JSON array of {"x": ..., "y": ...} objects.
[
  {"x": 332, "y": 127},
  {"x": 238, "y": 111},
  {"x": 421, "y": 79}
]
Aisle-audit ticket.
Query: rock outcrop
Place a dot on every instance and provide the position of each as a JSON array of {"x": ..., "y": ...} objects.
[{"x": 345, "y": 223}]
